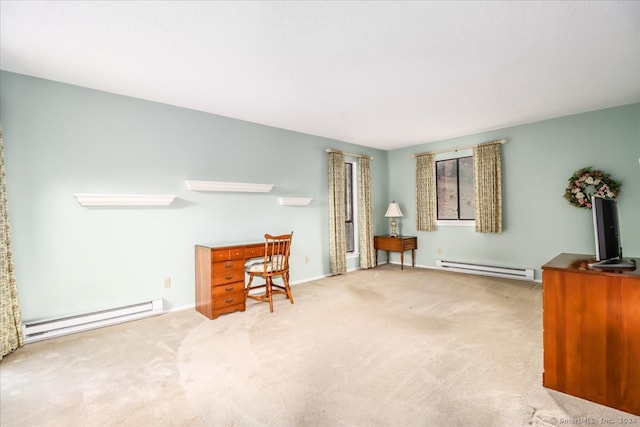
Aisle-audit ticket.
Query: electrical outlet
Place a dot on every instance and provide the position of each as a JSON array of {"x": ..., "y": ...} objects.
[
  {"x": 439, "y": 251},
  {"x": 167, "y": 282},
  {"x": 306, "y": 260}
]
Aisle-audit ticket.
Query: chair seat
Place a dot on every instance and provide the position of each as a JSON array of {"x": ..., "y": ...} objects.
[{"x": 261, "y": 268}]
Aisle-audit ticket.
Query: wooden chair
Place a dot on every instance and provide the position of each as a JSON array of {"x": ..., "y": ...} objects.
[{"x": 274, "y": 264}]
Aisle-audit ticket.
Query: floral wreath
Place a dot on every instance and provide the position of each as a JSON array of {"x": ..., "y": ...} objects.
[{"x": 587, "y": 182}]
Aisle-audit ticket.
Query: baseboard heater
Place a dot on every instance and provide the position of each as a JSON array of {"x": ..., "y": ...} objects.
[
  {"x": 44, "y": 329},
  {"x": 486, "y": 270}
]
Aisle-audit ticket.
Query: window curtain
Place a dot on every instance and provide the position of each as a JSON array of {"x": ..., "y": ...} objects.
[
  {"x": 365, "y": 216},
  {"x": 337, "y": 238},
  {"x": 10, "y": 321},
  {"x": 487, "y": 171},
  {"x": 426, "y": 192}
]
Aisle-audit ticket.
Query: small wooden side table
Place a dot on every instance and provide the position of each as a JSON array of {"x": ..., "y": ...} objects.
[{"x": 396, "y": 244}]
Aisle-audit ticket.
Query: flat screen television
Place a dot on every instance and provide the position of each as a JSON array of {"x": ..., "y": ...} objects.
[{"x": 606, "y": 229}]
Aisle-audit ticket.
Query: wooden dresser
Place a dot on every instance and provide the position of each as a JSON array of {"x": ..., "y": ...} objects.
[
  {"x": 591, "y": 332},
  {"x": 220, "y": 277}
]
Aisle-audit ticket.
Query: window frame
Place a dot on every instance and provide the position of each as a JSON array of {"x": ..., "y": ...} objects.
[{"x": 449, "y": 156}]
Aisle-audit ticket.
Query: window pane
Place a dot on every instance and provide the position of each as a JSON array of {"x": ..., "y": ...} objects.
[
  {"x": 465, "y": 179},
  {"x": 350, "y": 237},
  {"x": 348, "y": 196},
  {"x": 447, "y": 189},
  {"x": 348, "y": 191},
  {"x": 454, "y": 187}
]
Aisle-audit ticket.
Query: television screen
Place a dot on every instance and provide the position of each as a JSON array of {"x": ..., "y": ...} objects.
[
  {"x": 605, "y": 228},
  {"x": 607, "y": 235}
]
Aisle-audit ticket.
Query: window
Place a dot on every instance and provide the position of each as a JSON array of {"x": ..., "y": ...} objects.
[
  {"x": 349, "y": 212},
  {"x": 454, "y": 188}
]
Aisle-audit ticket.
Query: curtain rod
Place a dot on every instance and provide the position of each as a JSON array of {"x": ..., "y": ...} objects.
[
  {"x": 500, "y": 141},
  {"x": 331, "y": 150}
]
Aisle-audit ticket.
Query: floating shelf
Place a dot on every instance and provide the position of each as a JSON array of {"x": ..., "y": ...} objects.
[
  {"x": 294, "y": 201},
  {"x": 228, "y": 186},
  {"x": 124, "y": 199}
]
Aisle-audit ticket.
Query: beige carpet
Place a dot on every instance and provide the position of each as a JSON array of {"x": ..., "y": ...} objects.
[{"x": 381, "y": 347}]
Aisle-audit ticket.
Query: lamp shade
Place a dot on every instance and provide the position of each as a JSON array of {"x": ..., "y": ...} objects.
[{"x": 393, "y": 211}]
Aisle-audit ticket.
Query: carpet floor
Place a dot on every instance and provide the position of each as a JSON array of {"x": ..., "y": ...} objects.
[{"x": 379, "y": 347}]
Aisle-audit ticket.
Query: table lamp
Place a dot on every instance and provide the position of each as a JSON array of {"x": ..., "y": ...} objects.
[{"x": 393, "y": 212}]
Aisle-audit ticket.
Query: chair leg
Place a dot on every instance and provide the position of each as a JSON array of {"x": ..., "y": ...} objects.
[
  {"x": 248, "y": 288},
  {"x": 269, "y": 293},
  {"x": 285, "y": 279}
]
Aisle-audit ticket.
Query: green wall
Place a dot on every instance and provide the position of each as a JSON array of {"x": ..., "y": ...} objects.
[
  {"x": 61, "y": 139},
  {"x": 537, "y": 162}
]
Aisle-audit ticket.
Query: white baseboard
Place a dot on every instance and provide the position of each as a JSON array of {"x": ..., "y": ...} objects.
[
  {"x": 310, "y": 279},
  {"x": 181, "y": 308}
]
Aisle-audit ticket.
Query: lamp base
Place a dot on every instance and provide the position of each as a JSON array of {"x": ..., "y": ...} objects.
[{"x": 394, "y": 224}]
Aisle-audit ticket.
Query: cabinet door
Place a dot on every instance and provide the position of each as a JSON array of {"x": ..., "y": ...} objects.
[
  {"x": 625, "y": 344},
  {"x": 591, "y": 337}
]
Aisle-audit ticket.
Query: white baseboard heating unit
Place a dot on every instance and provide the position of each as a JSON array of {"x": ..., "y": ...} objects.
[
  {"x": 44, "y": 329},
  {"x": 486, "y": 270}
]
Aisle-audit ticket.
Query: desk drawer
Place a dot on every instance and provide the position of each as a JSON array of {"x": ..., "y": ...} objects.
[
  {"x": 254, "y": 252},
  {"x": 410, "y": 244},
  {"x": 222, "y": 298},
  {"x": 228, "y": 277},
  {"x": 227, "y": 254},
  {"x": 388, "y": 243},
  {"x": 228, "y": 266},
  {"x": 228, "y": 289}
]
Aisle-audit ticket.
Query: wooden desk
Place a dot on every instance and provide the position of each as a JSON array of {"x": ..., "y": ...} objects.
[
  {"x": 591, "y": 332},
  {"x": 396, "y": 244},
  {"x": 220, "y": 277}
]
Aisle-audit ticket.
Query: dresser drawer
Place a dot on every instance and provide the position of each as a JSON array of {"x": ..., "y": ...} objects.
[
  {"x": 254, "y": 252},
  {"x": 222, "y": 291},
  {"x": 226, "y": 266},
  {"x": 227, "y": 298},
  {"x": 228, "y": 277},
  {"x": 410, "y": 244},
  {"x": 227, "y": 254},
  {"x": 388, "y": 243}
]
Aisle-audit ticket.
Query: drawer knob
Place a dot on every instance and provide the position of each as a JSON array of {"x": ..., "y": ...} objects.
[
  {"x": 228, "y": 277},
  {"x": 228, "y": 265},
  {"x": 228, "y": 300},
  {"x": 229, "y": 289}
]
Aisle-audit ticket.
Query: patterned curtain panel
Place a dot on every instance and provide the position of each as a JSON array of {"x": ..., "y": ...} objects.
[
  {"x": 10, "y": 330},
  {"x": 426, "y": 193},
  {"x": 365, "y": 217},
  {"x": 487, "y": 171},
  {"x": 337, "y": 217}
]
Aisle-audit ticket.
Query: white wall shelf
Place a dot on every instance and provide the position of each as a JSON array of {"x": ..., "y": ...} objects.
[
  {"x": 124, "y": 199},
  {"x": 228, "y": 186},
  {"x": 294, "y": 201}
]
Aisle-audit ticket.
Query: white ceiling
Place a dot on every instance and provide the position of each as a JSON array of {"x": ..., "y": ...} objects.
[{"x": 379, "y": 74}]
